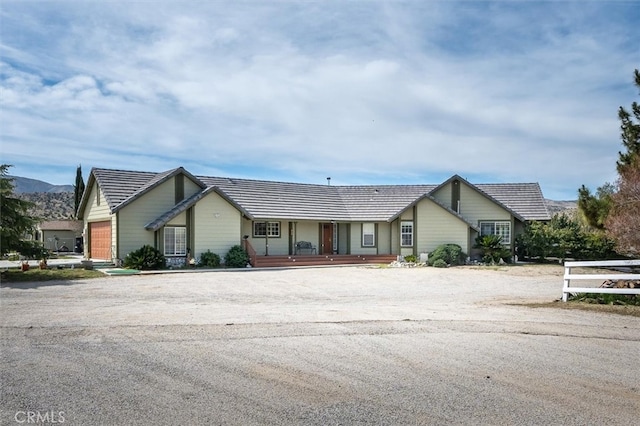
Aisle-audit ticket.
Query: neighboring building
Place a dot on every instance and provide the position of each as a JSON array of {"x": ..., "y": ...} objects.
[
  {"x": 59, "y": 235},
  {"x": 182, "y": 214}
]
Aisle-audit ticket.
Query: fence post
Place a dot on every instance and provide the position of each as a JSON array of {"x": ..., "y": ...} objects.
[{"x": 565, "y": 287}]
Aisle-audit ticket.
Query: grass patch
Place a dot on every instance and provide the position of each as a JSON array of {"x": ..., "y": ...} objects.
[
  {"x": 606, "y": 299},
  {"x": 36, "y": 275}
]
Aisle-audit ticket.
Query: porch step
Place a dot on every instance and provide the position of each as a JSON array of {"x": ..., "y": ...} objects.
[{"x": 321, "y": 260}]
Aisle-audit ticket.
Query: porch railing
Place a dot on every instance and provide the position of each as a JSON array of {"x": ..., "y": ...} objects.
[{"x": 250, "y": 251}]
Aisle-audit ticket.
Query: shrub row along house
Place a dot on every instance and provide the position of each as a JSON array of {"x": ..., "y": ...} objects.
[{"x": 184, "y": 215}]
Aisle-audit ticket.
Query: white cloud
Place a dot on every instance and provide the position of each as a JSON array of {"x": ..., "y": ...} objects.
[{"x": 365, "y": 90}]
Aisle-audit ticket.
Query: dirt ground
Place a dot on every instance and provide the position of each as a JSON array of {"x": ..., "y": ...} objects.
[{"x": 351, "y": 345}]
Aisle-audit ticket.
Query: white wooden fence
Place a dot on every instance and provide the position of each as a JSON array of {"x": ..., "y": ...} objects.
[{"x": 614, "y": 275}]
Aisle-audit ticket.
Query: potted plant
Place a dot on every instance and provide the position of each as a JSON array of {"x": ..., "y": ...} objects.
[
  {"x": 24, "y": 266},
  {"x": 43, "y": 263}
]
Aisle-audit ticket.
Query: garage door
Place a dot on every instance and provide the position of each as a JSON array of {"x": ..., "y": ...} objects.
[{"x": 100, "y": 240}]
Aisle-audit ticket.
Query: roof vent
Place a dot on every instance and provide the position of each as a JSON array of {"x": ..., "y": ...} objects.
[{"x": 329, "y": 180}]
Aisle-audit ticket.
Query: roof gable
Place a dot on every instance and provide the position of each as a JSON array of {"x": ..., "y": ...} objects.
[
  {"x": 121, "y": 187},
  {"x": 480, "y": 191}
]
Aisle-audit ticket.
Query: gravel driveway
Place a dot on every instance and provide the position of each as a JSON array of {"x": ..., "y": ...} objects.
[{"x": 339, "y": 346}]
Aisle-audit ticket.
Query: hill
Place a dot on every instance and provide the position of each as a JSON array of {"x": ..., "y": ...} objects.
[
  {"x": 50, "y": 205},
  {"x": 561, "y": 206},
  {"x": 27, "y": 185},
  {"x": 51, "y": 202}
]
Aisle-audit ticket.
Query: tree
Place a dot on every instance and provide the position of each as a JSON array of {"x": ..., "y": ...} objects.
[
  {"x": 595, "y": 208},
  {"x": 630, "y": 132},
  {"x": 623, "y": 223},
  {"x": 15, "y": 221},
  {"x": 78, "y": 190}
]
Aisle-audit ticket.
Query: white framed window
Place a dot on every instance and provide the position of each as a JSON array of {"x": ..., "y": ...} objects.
[
  {"x": 368, "y": 235},
  {"x": 266, "y": 229},
  {"x": 406, "y": 234},
  {"x": 175, "y": 241},
  {"x": 501, "y": 228}
]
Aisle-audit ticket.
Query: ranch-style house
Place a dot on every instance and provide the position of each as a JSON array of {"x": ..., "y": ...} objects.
[{"x": 184, "y": 215}]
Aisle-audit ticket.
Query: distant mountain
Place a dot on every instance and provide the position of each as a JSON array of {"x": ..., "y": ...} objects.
[
  {"x": 568, "y": 206},
  {"x": 50, "y": 205},
  {"x": 26, "y": 185},
  {"x": 50, "y": 202}
]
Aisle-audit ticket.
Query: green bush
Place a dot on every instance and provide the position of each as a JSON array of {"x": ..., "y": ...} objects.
[
  {"x": 493, "y": 251},
  {"x": 410, "y": 258},
  {"x": 564, "y": 237},
  {"x": 450, "y": 254},
  {"x": 145, "y": 258},
  {"x": 439, "y": 263},
  {"x": 33, "y": 250},
  {"x": 208, "y": 259},
  {"x": 236, "y": 257}
]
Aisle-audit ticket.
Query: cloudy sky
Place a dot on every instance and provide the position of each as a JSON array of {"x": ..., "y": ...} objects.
[{"x": 366, "y": 92}]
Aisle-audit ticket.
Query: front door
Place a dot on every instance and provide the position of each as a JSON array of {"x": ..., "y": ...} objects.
[{"x": 327, "y": 239}]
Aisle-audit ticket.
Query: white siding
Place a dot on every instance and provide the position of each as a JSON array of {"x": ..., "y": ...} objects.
[
  {"x": 436, "y": 226},
  {"x": 217, "y": 226}
]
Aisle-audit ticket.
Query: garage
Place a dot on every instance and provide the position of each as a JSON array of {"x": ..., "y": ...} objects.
[{"x": 100, "y": 240}]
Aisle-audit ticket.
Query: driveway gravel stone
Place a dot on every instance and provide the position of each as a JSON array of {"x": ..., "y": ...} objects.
[{"x": 316, "y": 346}]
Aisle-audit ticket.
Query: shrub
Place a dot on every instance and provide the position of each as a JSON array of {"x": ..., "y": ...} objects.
[
  {"x": 564, "y": 237},
  {"x": 410, "y": 258},
  {"x": 33, "y": 250},
  {"x": 236, "y": 257},
  {"x": 450, "y": 254},
  {"x": 493, "y": 251},
  {"x": 439, "y": 263},
  {"x": 209, "y": 259},
  {"x": 145, "y": 258}
]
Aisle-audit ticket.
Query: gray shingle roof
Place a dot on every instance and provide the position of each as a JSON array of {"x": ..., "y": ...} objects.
[
  {"x": 260, "y": 199},
  {"x": 379, "y": 202},
  {"x": 524, "y": 198}
]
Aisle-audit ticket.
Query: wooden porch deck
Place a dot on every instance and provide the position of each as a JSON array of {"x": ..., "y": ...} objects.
[{"x": 320, "y": 260}]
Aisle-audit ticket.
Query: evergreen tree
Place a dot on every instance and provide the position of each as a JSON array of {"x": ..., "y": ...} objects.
[
  {"x": 630, "y": 131},
  {"x": 594, "y": 208},
  {"x": 15, "y": 221},
  {"x": 78, "y": 190}
]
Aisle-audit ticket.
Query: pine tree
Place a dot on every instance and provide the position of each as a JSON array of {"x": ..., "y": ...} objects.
[
  {"x": 15, "y": 221},
  {"x": 630, "y": 131}
]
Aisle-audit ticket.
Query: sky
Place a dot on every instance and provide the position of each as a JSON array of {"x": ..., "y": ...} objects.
[{"x": 364, "y": 92}]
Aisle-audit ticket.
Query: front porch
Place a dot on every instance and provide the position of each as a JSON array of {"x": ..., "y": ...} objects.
[{"x": 320, "y": 260}]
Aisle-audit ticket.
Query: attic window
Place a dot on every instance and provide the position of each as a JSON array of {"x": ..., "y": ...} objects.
[{"x": 97, "y": 195}]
